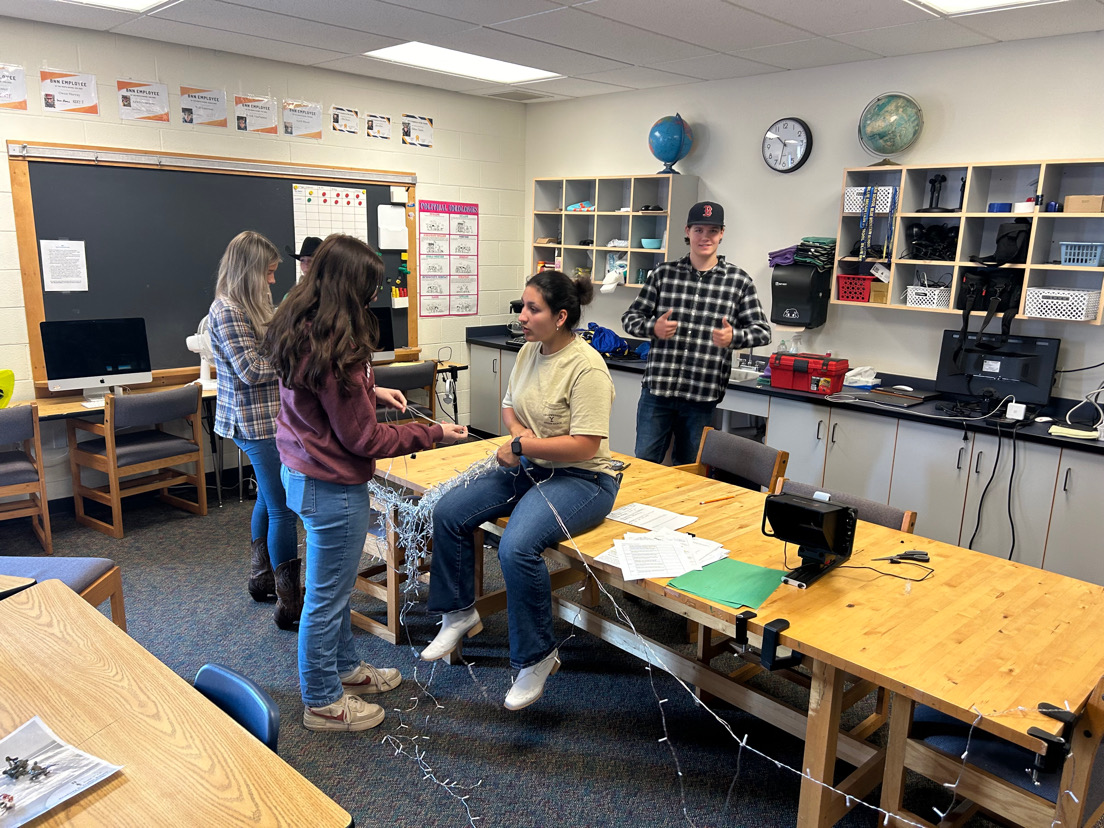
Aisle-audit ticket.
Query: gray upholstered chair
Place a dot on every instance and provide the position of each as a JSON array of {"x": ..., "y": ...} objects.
[
  {"x": 21, "y": 472},
  {"x": 94, "y": 579},
  {"x": 869, "y": 510},
  {"x": 408, "y": 376},
  {"x": 149, "y": 452},
  {"x": 738, "y": 460}
]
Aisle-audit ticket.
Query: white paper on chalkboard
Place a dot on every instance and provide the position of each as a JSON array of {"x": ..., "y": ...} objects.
[
  {"x": 63, "y": 265},
  {"x": 392, "y": 227}
]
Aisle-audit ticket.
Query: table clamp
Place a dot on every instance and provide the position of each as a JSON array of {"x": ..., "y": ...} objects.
[
  {"x": 767, "y": 655},
  {"x": 1057, "y": 747}
]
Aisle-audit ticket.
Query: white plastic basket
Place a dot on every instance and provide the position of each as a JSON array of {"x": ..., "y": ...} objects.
[
  {"x": 927, "y": 297},
  {"x": 853, "y": 199},
  {"x": 1062, "y": 303}
]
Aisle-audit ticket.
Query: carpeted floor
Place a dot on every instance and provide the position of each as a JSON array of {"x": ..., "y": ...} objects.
[{"x": 589, "y": 753}]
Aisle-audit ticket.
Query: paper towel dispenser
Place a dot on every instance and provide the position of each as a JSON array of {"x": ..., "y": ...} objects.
[{"x": 799, "y": 295}]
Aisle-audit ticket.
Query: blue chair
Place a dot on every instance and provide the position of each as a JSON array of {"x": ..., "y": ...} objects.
[
  {"x": 93, "y": 579},
  {"x": 242, "y": 699}
]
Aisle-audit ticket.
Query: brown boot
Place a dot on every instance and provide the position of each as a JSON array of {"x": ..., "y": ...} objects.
[
  {"x": 262, "y": 585},
  {"x": 289, "y": 595}
]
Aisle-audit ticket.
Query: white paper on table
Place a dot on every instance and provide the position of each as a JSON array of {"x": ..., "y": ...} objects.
[
  {"x": 63, "y": 265},
  {"x": 392, "y": 227},
  {"x": 645, "y": 557},
  {"x": 650, "y": 517},
  {"x": 611, "y": 557}
]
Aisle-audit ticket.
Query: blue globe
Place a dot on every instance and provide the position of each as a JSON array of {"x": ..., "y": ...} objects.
[
  {"x": 670, "y": 139},
  {"x": 890, "y": 124}
]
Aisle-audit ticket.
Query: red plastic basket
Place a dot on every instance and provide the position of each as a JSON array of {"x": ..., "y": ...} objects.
[{"x": 854, "y": 288}]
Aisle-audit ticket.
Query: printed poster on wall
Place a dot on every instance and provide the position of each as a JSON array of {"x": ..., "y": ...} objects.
[
  {"x": 203, "y": 106},
  {"x": 344, "y": 119},
  {"x": 69, "y": 92},
  {"x": 255, "y": 114},
  {"x": 141, "y": 101},
  {"x": 448, "y": 251},
  {"x": 377, "y": 126},
  {"x": 417, "y": 131},
  {"x": 303, "y": 119},
  {"x": 13, "y": 87}
]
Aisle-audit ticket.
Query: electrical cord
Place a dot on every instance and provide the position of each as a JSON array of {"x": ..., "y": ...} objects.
[
  {"x": 985, "y": 491},
  {"x": 1075, "y": 370},
  {"x": 930, "y": 572},
  {"x": 1090, "y": 399},
  {"x": 841, "y": 397}
]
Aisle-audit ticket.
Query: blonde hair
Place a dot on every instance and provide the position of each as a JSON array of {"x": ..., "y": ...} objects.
[{"x": 242, "y": 277}]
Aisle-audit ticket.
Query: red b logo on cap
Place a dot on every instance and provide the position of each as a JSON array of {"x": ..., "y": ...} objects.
[{"x": 708, "y": 210}]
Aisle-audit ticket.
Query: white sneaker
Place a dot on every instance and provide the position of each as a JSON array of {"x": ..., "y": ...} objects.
[
  {"x": 529, "y": 685},
  {"x": 347, "y": 713},
  {"x": 454, "y": 626},
  {"x": 368, "y": 679}
]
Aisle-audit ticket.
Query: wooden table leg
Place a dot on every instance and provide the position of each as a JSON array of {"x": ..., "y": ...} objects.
[{"x": 822, "y": 732}]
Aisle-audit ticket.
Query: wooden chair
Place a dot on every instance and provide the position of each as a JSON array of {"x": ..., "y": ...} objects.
[
  {"x": 409, "y": 376},
  {"x": 996, "y": 776},
  {"x": 95, "y": 579},
  {"x": 243, "y": 700},
  {"x": 738, "y": 460},
  {"x": 869, "y": 510},
  {"x": 22, "y": 474},
  {"x": 148, "y": 452}
]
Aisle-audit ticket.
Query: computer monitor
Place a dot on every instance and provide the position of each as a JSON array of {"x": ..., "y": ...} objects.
[
  {"x": 95, "y": 355},
  {"x": 1022, "y": 367},
  {"x": 386, "y": 348},
  {"x": 824, "y": 532}
]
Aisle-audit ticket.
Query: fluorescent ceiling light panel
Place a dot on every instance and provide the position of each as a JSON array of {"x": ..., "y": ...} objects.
[
  {"x": 955, "y": 7},
  {"x": 121, "y": 5},
  {"x": 451, "y": 62}
]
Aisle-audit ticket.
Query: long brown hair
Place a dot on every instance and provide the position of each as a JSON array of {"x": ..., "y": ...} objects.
[
  {"x": 323, "y": 328},
  {"x": 242, "y": 277}
]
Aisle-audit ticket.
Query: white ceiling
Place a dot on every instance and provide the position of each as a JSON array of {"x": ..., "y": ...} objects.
[{"x": 599, "y": 46}]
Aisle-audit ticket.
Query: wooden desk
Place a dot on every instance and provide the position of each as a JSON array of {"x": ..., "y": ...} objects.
[
  {"x": 185, "y": 761},
  {"x": 57, "y": 408},
  {"x": 11, "y": 584},
  {"x": 982, "y": 633}
]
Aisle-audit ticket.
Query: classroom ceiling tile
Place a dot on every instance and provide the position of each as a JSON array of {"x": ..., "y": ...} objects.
[
  {"x": 251, "y": 21},
  {"x": 717, "y": 67},
  {"x": 65, "y": 14},
  {"x": 169, "y": 31},
  {"x": 515, "y": 49},
  {"x": 639, "y": 77},
  {"x": 573, "y": 87},
  {"x": 366, "y": 16},
  {"x": 807, "y": 54},
  {"x": 915, "y": 38},
  {"x": 483, "y": 12},
  {"x": 371, "y": 68},
  {"x": 713, "y": 24},
  {"x": 838, "y": 16},
  {"x": 601, "y": 36},
  {"x": 1037, "y": 21}
]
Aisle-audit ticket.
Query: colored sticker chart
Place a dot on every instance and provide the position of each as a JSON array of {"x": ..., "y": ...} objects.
[
  {"x": 322, "y": 210},
  {"x": 448, "y": 250}
]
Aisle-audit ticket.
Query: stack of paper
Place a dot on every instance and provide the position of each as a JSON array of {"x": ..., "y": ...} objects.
[{"x": 662, "y": 553}]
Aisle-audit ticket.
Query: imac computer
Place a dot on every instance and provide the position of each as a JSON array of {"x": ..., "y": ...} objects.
[
  {"x": 823, "y": 531},
  {"x": 95, "y": 355},
  {"x": 386, "y": 347},
  {"x": 988, "y": 369}
]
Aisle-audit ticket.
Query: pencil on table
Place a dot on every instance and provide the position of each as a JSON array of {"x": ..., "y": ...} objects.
[{"x": 717, "y": 499}]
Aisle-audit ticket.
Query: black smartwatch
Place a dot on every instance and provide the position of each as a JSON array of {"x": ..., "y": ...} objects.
[{"x": 515, "y": 446}]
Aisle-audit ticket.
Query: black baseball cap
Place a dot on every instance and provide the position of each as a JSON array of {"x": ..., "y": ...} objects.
[
  {"x": 310, "y": 245},
  {"x": 706, "y": 212}
]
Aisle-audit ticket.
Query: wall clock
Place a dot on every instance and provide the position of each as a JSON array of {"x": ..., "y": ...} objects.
[{"x": 787, "y": 144}]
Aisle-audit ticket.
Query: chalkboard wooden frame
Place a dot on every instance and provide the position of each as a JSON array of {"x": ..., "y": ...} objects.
[{"x": 159, "y": 184}]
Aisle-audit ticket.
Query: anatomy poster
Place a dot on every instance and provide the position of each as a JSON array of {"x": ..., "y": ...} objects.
[{"x": 448, "y": 255}]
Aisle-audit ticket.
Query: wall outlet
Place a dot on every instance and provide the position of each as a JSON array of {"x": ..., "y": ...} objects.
[{"x": 1017, "y": 411}]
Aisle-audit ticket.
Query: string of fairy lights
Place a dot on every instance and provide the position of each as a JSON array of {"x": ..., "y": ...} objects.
[{"x": 409, "y": 524}]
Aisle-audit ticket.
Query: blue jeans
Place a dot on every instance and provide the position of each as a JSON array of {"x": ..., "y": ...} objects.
[
  {"x": 337, "y": 519},
  {"x": 272, "y": 519},
  {"x": 660, "y": 418},
  {"x": 582, "y": 499}
]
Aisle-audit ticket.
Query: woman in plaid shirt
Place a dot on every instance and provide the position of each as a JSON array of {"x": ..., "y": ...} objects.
[{"x": 248, "y": 400}]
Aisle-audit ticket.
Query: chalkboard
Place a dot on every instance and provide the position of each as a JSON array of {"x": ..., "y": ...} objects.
[{"x": 153, "y": 239}]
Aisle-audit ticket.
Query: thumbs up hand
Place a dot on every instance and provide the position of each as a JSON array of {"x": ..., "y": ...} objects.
[
  {"x": 722, "y": 336},
  {"x": 665, "y": 326}
]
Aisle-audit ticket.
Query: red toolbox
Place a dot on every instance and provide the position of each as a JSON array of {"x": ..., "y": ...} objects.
[{"x": 817, "y": 373}]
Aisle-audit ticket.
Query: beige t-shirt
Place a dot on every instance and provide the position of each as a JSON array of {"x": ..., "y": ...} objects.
[{"x": 569, "y": 392}]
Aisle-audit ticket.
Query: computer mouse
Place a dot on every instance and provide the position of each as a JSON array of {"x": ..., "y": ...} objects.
[
  {"x": 1044, "y": 419},
  {"x": 902, "y": 388}
]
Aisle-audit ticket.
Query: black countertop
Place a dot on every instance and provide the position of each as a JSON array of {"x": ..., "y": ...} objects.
[{"x": 494, "y": 336}]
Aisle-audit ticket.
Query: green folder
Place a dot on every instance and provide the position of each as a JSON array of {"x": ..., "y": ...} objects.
[{"x": 731, "y": 582}]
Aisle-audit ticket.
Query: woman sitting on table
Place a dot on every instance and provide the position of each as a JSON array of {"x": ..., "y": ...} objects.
[
  {"x": 248, "y": 399},
  {"x": 321, "y": 342},
  {"x": 556, "y": 468}
]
